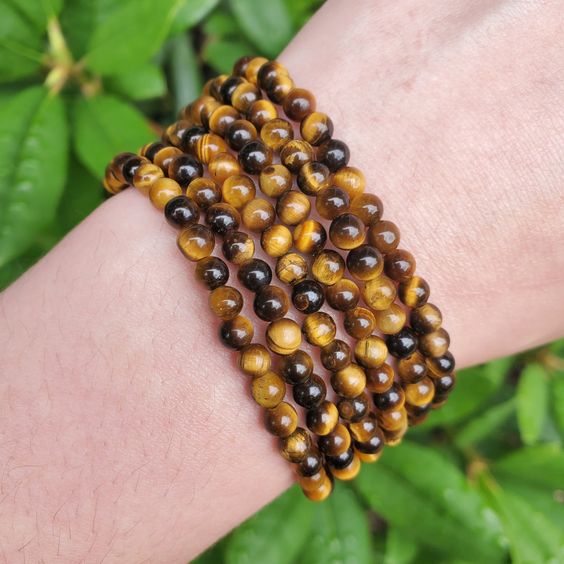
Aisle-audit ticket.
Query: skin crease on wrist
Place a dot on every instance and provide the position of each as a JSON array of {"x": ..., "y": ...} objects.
[{"x": 126, "y": 432}]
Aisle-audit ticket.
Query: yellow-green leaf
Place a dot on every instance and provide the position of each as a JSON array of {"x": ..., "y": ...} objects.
[{"x": 532, "y": 402}]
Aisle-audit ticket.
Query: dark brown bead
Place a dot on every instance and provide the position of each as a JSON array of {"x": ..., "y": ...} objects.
[
  {"x": 221, "y": 118},
  {"x": 412, "y": 369},
  {"x": 258, "y": 215},
  {"x": 296, "y": 154},
  {"x": 322, "y": 419},
  {"x": 393, "y": 398},
  {"x": 261, "y": 112},
  {"x": 299, "y": 103},
  {"x": 319, "y": 328},
  {"x": 444, "y": 385},
  {"x": 181, "y": 212},
  {"x": 373, "y": 444},
  {"x": 271, "y": 303},
  {"x": 331, "y": 202},
  {"x": 255, "y": 156},
  {"x": 402, "y": 344},
  {"x": 295, "y": 447},
  {"x": 313, "y": 177},
  {"x": 308, "y": 296},
  {"x": 191, "y": 137},
  {"x": 414, "y": 291},
  {"x": 336, "y": 355},
  {"x": 328, "y": 267},
  {"x": 239, "y": 133},
  {"x": 238, "y": 247},
  {"x": 222, "y": 218},
  {"x": 334, "y": 153},
  {"x": 359, "y": 322},
  {"x": 281, "y": 420},
  {"x": 347, "y": 231},
  {"x": 354, "y": 409},
  {"x": 310, "y": 393},
  {"x": 216, "y": 84},
  {"x": 276, "y": 133},
  {"x": 228, "y": 87},
  {"x": 254, "y": 274},
  {"x": 434, "y": 344},
  {"x": 291, "y": 268},
  {"x": 310, "y": 237},
  {"x": 365, "y": 262},
  {"x": 316, "y": 128},
  {"x": 130, "y": 166},
  {"x": 240, "y": 66},
  {"x": 380, "y": 379},
  {"x": 269, "y": 73},
  {"x": 417, "y": 414},
  {"x": 244, "y": 96},
  {"x": 311, "y": 464},
  {"x": 151, "y": 149},
  {"x": 212, "y": 272},
  {"x": 226, "y": 302},
  {"x": 399, "y": 265},
  {"x": 343, "y": 295},
  {"x": 275, "y": 180},
  {"x": 368, "y": 207},
  {"x": 336, "y": 442},
  {"x": 293, "y": 207},
  {"x": 384, "y": 235},
  {"x": 441, "y": 365},
  {"x": 207, "y": 108},
  {"x": 297, "y": 367},
  {"x": 205, "y": 192},
  {"x": 237, "y": 332},
  {"x": 280, "y": 89},
  {"x": 426, "y": 319}
]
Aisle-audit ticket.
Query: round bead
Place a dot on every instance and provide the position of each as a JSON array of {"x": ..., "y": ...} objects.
[
  {"x": 390, "y": 320},
  {"x": 349, "y": 382},
  {"x": 279, "y": 89},
  {"x": 362, "y": 430},
  {"x": 239, "y": 133},
  {"x": 176, "y": 132},
  {"x": 347, "y": 231},
  {"x": 365, "y": 262},
  {"x": 258, "y": 214},
  {"x": 208, "y": 146},
  {"x": 332, "y": 202},
  {"x": 322, "y": 419},
  {"x": 351, "y": 180},
  {"x": 145, "y": 176},
  {"x": 283, "y": 336},
  {"x": 255, "y": 156},
  {"x": 297, "y": 367},
  {"x": 392, "y": 398},
  {"x": 181, "y": 212},
  {"x": 222, "y": 218},
  {"x": 319, "y": 328},
  {"x": 291, "y": 268},
  {"x": 244, "y": 96},
  {"x": 276, "y": 133},
  {"x": 215, "y": 85},
  {"x": 254, "y": 274},
  {"x": 313, "y": 177},
  {"x": 371, "y": 352},
  {"x": 384, "y": 235},
  {"x": 359, "y": 322},
  {"x": 336, "y": 355},
  {"x": 414, "y": 291},
  {"x": 237, "y": 332},
  {"x": 310, "y": 393},
  {"x": 313, "y": 482},
  {"x": 380, "y": 379},
  {"x": 238, "y": 247},
  {"x": 371, "y": 449},
  {"x": 276, "y": 240},
  {"x": 293, "y": 207},
  {"x": 223, "y": 166},
  {"x": 342, "y": 461},
  {"x": 336, "y": 442},
  {"x": 402, "y": 344},
  {"x": 328, "y": 267},
  {"x": 412, "y": 369},
  {"x": 190, "y": 138},
  {"x": 212, "y": 272},
  {"x": 421, "y": 393},
  {"x": 444, "y": 385},
  {"x": 275, "y": 180},
  {"x": 334, "y": 153},
  {"x": 296, "y": 154},
  {"x": 221, "y": 118},
  {"x": 196, "y": 242},
  {"x": 295, "y": 447},
  {"x": 417, "y": 414},
  {"x": 255, "y": 360},
  {"x": 271, "y": 303},
  {"x": 299, "y": 103},
  {"x": 343, "y": 295},
  {"x": 228, "y": 87},
  {"x": 441, "y": 365},
  {"x": 308, "y": 296},
  {"x": 311, "y": 464},
  {"x": 368, "y": 207},
  {"x": 354, "y": 409},
  {"x": 261, "y": 112},
  {"x": 310, "y": 237},
  {"x": 379, "y": 293},
  {"x": 226, "y": 302},
  {"x": 165, "y": 156},
  {"x": 399, "y": 265},
  {"x": 316, "y": 128},
  {"x": 269, "y": 73},
  {"x": 434, "y": 344},
  {"x": 162, "y": 191},
  {"x": 252, "y": 68},
  {"x": 393, "y": 420},
  {"x": 425, "y": 319},
  {"x": 205, "y": 192},
  {"x": 268, "y": 390},
  {"x": 238, "y": 190},
  {"x": 281, "y": 420},
  {"x": 151, "y": 149}
]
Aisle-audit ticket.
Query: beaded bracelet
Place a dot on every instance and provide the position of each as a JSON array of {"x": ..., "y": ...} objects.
[{"x": 232, "y": 116}]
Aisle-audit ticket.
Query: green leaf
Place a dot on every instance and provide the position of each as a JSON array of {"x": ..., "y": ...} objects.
[
  {"x": 213, "y": 555},
  {"x": 191, "y": 13},
  {"x": 33, "y": 155},
  {"x": 557, "y": 348},
  {"x": 400, "y": 547},
  {"x": 558, "y": 401},
  {"x": 419, "y": 490},
  {"x": 275, "y": 535},
  {"x": 16, "y": 267},
  {"x": 220, "y": 23},
  {"x": 266, "y": 24},
  {"x": 532, "y": 402},
  {"x": 186, "y": 76},
  {"x": 104, "y": 126},
  {"x": 38, "y": 11},
  {"x": 301, "y": 10},
  {"x": 221, "y": 54},
  {"x": 141, "y": 83},
  {"x": 340, "y": 532},
  {"x": 130, "y": 35}
]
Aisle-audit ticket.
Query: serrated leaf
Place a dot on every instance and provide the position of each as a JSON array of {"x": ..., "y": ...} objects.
[
  {"x": 186, "y": 76},
  {"x": 191, "y": 13},
  {"x": 221, "y": 54},
  {"x": 532, "y": 402},
  {"x": 142, "y": 83},
  {"x": 266, "y": 24},
  {"x": 104, "y": 126},
  {"x": 130, "y": 35},
  {"x": 340, "y": 532},
  {"x": 400, "y": 547},
  {"x": 275, "y": 534},
  {"x": 33, "y": 163},
  {"x": 418, "y": 490}
]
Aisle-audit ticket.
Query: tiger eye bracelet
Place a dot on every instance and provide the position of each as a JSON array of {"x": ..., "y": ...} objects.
[{"x": 393, "y": 364}]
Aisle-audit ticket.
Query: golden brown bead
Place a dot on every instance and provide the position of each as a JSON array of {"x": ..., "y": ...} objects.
[
  {"x": 362, "y": 430},
  {"x": 414, "y": 291},
  {"x": 276, "y": 133},
  {"x": 336, "y": 442},
  {"x": 371, "y": 352},
  {"x": 351, "y": 180},
  {"x": 331, "y": 202},
  {"x": 426, "y": 318},
  {"x": 368, "y": 458},
  {"x": 321, "y": 493},
  {"x": 349, "y": 382},
  {"x": 276, "y": 240},
  {"x": 347, "y": 231},
  {"x": 215, "y": 85},
  {"x": 434, "y": 344},
  {"x": 365, "y": 262},
  {"x": 394, "y": 438},
  {"x": 275, "y": 180},
  {"x": 368, "y": 207},
  {"x": 176, "y": 131},
  {"x": 145, "y": 176},
  {"x": 208, "y": 146},
  {"x": 299, "y": 103},
  {"x": 221, "y": 118},
  {"x": 310, "y": 237},
  {"x": 223, "y": 166},
  {"x": 390, "y": 320},
  {"x": 280, "y": 88},
  {"x": 281, "y": 420},
  {"x": 269, "y": 73},
  {"x": 384, "y": 235},
  {"x": 241, "y": 64},
  {"x": 379, "y": 293},
  {"x": 400, "y": 265},
  {"x": 328, "y": 267},
  {"x": 296, "y": 154},
  {"x": 271, "y": 303},
  {"x": 148, "y": 151},
  {"x": 222, "y": 218},
  {"x": 236, "y": 333},
  {"x": 421, "y": 393},
  {"x": 258, "y": 214},
  {"x": 255, "y": 360},
  {"x": 165, "y": 156},
  {"x": 393, "y": 420},
  {"x": 348, "y": 473},
  {"x": 336, "y": 355},
  {"x": 196, "y": 242},
  {"x": 226, "y": 302},
  {"x": 316, "y": 128},
  {"x": 111, "y": 183},
  {"x": 204, "y": 191},
  {"x": 198, "y": 105},
  {"x": 261, "y": 112},
  {"x": 294, "y": 447},
  {"x": 323, "y": 419},
  {"x": 162, "y": 191},
  {"x": 379, "y": 380},
  {"x": 311, "y": 481},
  {"x": 268, "y": 390},
  {"x": 239, "y": 133},
  {"x": 354, "y": 409},
  {"x": 343, "y": 295},
  {"x": 238, "y": 190},
  {"x": 412, "y": 369},
  {"x": 291, "y": 268},
  {"x": 313, "y": 177},
  {"x": 417, "y": 414},
  {"x": 293, "y": 207},
  {"x": 283, "y": 336},
  {"x": 319, "y": 328},
  {"x": 252, "y": 68},
  {"x": 359, "y": 322},
  {"x": 244, "y": 96},
  {"x": 238, "y": 247}
]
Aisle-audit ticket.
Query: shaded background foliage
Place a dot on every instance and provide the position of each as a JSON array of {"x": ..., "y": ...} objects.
[{"x": 80, "y": 80}]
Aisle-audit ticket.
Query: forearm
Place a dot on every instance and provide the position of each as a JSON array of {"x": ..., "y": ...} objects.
[{"x": 127, "y": 430}]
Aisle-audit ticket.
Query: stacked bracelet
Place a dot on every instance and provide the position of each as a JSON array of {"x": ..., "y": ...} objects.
[{"x": 393, "y": 364}]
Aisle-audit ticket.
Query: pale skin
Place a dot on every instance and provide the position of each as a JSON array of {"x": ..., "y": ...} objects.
[{"x": 127, "y": 433}]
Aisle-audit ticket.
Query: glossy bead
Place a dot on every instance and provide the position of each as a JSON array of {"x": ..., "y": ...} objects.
[
  {"x": 238, "y": 190},
  {"x": 332, "y": 202},
  {"x": 254, "y": 274},
  {"x": 205, "y": 192},
  {"x": 392, "y": 398},
  {"x": 258, "y": 214},
  {"x": 191, "y": 137},
  {"x": 393, "y": 420},
  {"x": 216, "y": 84},
  {"x": 238, "y": 247},
  {"x": 399, "y": 265},
  {"x": 349, "y": 382},
  {"x": 434, "y": 344},
  {"x": 240, "y": 66},
  {"x": 175, "y": 132},
  {"x": 283, "y": 336},
  {"x": 281, "y": 420},
  {"x": 269, "y": 73},
  {"x": 368, "y": 207},
  {"x": 364, "y": 428},
  {"x": 268, "y": 390},
  {"x": 311, "y": 464},
  {"x": 322, "y": 419},
  {"x": 347, "y": 231},
  {"x": 280, "y": 88},
  {"x": 196, "y": 242},
  {"x": 255, "y": 360},
  {"x": 208, "y": 146},
  {"x": 299, "y": 103},
  {"x": 309, "y": 237},
  {"x": 252, "y": 68},
  {"x": 371, "y": 447},
  {"x": 276, "y": 240},
  {"x": 359, "y": 322},
  {"x": 365, "y": 262},
  {"x": 425, "y": 319},
  {"x": 293, "y": 207},
  {"x": 379, "y": 293},
  {"x": 444, "y": 385},
  {"x": 162, "y": 191},
  {"x": 390, "y": 320},
  {"x": 313, "y": 177},
  {"x": 319, "y": 328},
  {"x": 291, "y": 268},
  {"x": 255, "y": 156},
  {"x": 316, "y": 128},
  {"x": 351, "y": 180},
  {"x": 221, "y": 118},
  {"x": 340, "y": 466},
  {"x": 239, "y": 133},
  {"x": 295, "y": 154},
  {"x": 223, "y": 166},
  {"x": 276, "y": 133},
  {"x": 145, "y": 176},
  {"x": 237, "y": 332},
  {"x": 412, "y": 369},
  {"x": 334, "y": 153},
  {"x": 402, "y": 344},
  {"x": 271, "y": 303},
  {"x": 336, "y": 355},
  {"x": 384, "y": 235},
  {"x": 310, "y": 393},
  {"x": 165, "y": 156},
  {"x": 321, "y": 492},
  {"x": 308, "y": 296},
  {"x": 275, "y": 180},
  {"x": 295, "y": 447},
  {"x": 222, "y": 218},
  {"x": 354, "y": 409},
  {"x": 244, "y": 96},
  {"x": 440, "y": 365},
  {"x": 414, "y": 291},
  {"x": 212, "y": 272},
  {"x": 297, "y": 367},
  {"x": 328, "y": 267},
  {"x": 228, "y": 87},
  {"x": 380, "y": 379},
  {"x": 261, "y": 112},
  {"x": 150, "y": 150},
  {"x": 420, "y": 393},
  {"x": 181, "y": 212},
  {"x": 343, "y": 295},
  {"x": 417, "y": 414},
  {"x": 226, "y": 302},
  {"x": 130, "y": 166},
  {"x": 370, "y": 352},
  {"x": 112, "y": 184},
  {"x": 336, "y": 442}
]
